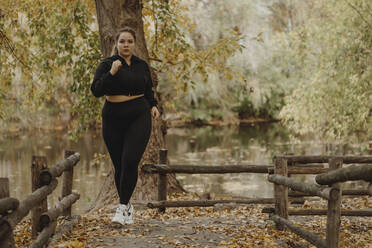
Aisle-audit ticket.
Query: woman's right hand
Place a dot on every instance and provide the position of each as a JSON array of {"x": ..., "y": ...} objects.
[{"x": 115, "y": 67}]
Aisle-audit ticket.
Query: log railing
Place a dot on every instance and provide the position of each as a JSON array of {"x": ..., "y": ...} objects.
[
  {"x": 327, "y": 186},
  {"x": 44, "y": 182},
  {"x": 162, "y": 169}
]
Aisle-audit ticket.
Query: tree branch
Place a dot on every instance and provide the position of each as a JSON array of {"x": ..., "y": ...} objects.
[
  {"x": 7, "y": 43},
  {"x": 360, "y": 14}
]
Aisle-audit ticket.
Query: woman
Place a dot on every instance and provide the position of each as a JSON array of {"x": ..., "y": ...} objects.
[{"x": 125, "y": 80}]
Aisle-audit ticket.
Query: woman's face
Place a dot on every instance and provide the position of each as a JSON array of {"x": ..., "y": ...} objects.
[{"x": 126, "y": 44}]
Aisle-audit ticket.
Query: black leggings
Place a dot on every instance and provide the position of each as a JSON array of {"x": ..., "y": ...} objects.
[{"x": 126, "y": 129}]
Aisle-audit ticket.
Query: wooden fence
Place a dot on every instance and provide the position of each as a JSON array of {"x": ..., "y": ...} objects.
[
  {"x": 44, "y": 181},
  {"x": 327, "y": 186},
  {"x": 162, "y": 169}
]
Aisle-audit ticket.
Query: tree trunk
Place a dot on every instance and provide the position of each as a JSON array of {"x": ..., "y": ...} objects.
[{"x": 111, "y": 16}]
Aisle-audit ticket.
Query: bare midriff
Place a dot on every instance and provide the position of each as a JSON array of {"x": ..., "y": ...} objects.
[{"x": 121, "y": 98}]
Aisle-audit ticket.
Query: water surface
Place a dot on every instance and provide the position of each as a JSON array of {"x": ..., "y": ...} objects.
[{"x": 207, "y": 145}]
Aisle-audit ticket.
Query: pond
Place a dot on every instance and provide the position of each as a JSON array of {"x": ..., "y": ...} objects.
[{"x": 254, "y": 144}]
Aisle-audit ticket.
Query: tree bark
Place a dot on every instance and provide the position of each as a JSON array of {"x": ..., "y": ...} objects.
[
  {"x": 52, "y": 215},
  {"x": 5, "y": 230},
  {"x": 311, "y": 188},
  {"x": 324, "y": 159},
  {"x": 111, "y": 16},
  {"x": 4, "y": 187},
  {"x": 44, "y": 236},
  {"x": 39, "y": 163},
  {"x": 209, "y": 203},
  {"x": 357, "y": 192},
  {"x": 8, "y": 204},
  {"x": 334, "y": 209},
  {"x": 304, "y": 212},
  {"x": 353, "y": 172},
  {"x": 281, "y": 192},
  {"x": 309, "y": 236},
  {"x": 216, "y": 169},
  {"x": 205, "y": 169},
  {"x": 10, "y": 221},
  {"x": 47, "y": 175},
  {"x": 67, "y": 180}
]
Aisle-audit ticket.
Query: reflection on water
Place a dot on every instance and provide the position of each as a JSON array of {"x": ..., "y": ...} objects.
[
  {"x": 255, "y": 144},
  {"x": 204, "y": 145},
  {"x": 15, "y": 163}
]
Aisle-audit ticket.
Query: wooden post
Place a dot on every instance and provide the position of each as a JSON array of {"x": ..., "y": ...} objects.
[
  {"x": 281, "y": 192},
  {"x": 8, "y": 241},
  {"x": 4, "y": 187},
  {"x": 67, "y": 182},
  {"x": 39, "y": 163},
  {"x": 162, "y": 179},
  {"x": 334, "y": 209}
]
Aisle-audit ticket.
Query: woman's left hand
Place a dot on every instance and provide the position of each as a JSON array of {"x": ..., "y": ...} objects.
[{"x": 155, "y": 112}]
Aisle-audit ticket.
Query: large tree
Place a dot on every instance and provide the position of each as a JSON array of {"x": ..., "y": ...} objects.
[
  {"x": 111, "y": 16},
  {"x": 50, "y": 75}
]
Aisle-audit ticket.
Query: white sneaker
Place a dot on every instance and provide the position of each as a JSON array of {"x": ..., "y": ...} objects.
[
  {"x": 128, "y": 213},
  {"x": 119, "y": 215}
]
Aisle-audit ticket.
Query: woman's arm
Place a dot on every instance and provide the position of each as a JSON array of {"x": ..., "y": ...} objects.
[
  {"x": 101, "y": 76},
  {"x": 149, "y": 93}
]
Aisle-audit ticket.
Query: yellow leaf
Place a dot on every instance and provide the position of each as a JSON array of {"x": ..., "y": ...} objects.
[{"x": 228, "y": 76}]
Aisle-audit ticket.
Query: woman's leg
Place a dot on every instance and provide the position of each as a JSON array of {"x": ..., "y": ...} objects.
[
  {"x": 136, "y": 138},
  {"x": 113, "y": 135}
]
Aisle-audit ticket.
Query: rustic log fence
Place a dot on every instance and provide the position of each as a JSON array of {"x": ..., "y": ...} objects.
[
  {"x": 327, "y": 186},
  {"x": 162, "y": 169},
  {"x": 44, "y": 182}
]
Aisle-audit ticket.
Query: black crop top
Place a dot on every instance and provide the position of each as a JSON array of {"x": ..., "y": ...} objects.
[{"x": 129, "y": 80}]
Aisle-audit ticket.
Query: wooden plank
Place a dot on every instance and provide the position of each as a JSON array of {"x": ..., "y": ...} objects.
[
  {"x": 38, "y": 164},
  {"x": 47, "y": 175},
  {"x": 308, "y": 236},
  {"x": 67, "y": 180},
  {"x": 326, "y": 193},
  {"x": 204, "y": 169},
  {"x": 30, "y": 202},
  {"x": 5, "y": 230},
  {"x": 4, "y": 187},
  {"x": 223, "y": 169},
  {"x": 53, "y": 213},
  {"x": 162, "y": 179},
  {"x": 298, "y": 165},
  {"x": 357, "y": 192},
  {"x": 325, "y": 159},
  {"x": 210, "y": 203},
  {"x": 304, "y": 212},
  {"x": 281, "y": 192},
  {"x": 334, "y": 210},
  {"x": 44, "y": 236},
  {"x": 8, "y": 204},
  {"x": 302, "y": 170},
  {"x": 350, "y": 173}
]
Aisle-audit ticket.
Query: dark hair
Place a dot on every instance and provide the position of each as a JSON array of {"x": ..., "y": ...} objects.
[{"x": 117, "y": 35}]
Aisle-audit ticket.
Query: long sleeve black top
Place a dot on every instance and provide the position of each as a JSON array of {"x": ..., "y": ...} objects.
[{"x": 129, "y": 80}]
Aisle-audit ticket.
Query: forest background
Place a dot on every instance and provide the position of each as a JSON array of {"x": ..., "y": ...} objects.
[{"x": 306, "y": 63}]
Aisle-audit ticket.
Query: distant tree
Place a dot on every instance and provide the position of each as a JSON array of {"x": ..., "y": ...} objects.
[{"x": 329, "y": 58}]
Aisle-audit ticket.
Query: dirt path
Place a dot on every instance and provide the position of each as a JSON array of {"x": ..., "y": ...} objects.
[
  {"x": 220, "y": 226},
  {"x": 186, "y": 227}
]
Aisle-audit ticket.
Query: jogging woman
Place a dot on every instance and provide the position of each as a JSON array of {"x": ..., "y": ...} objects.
[{"x": 125, "y": 81}]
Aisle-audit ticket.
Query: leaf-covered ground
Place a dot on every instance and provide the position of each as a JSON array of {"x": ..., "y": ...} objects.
[{"x": 219, "y": 226}]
